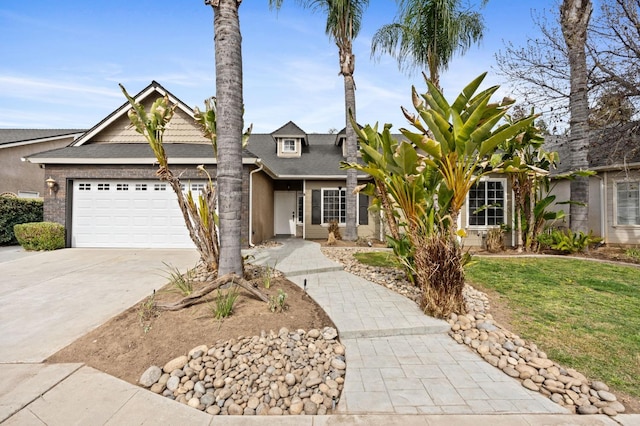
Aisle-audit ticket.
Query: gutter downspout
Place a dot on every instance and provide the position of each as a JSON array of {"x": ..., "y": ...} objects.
[{"x": 259, "y": 162}]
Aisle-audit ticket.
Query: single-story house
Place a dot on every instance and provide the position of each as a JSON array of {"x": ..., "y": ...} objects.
[
  {"x": 107, "y": 194},
  {"x": 614, "y": 191},
  {"x": 22, "y": 178}
]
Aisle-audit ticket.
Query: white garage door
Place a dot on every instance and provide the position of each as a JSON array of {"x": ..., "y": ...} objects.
[{"x": 127, "y": 213}]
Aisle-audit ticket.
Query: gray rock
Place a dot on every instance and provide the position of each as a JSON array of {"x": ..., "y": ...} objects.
[
  {"x": 310, "y": 408},
  {"x": 606, "y": 396},
  {"x": 173, "y": 383},
  {"x": 150, "y": 376},
  {"x": 617, "y": 406},
  {"x": 207, "y": 399},
  {"x": 588, "y": 409},
  {"x": 599, "y": 386},
  {"x": 329, "y": 333},
  {"x": 338, "y": 364}
]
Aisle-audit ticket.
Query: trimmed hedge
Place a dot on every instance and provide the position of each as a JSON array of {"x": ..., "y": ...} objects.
[
  {"x": 14, "y": 211},
  {"x": 40, "y": 235}
]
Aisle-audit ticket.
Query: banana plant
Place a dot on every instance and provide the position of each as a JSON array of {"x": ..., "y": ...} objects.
[{"x": 460, "y": 139}]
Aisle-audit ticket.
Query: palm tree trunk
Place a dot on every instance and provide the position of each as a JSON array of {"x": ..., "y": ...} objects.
[
  {"x": 351, "y": 230},
  {"x": 574, "y": 19},
  {"x": 228, "y": 54}
]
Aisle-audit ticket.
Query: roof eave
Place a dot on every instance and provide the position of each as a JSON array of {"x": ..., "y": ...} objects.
[{"x": 40, "y": 140}]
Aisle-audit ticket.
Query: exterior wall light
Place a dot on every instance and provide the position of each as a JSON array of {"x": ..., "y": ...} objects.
[{"x": 52, "y": 185}]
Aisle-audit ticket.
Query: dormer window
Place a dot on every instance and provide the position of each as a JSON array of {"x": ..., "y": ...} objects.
[{"x": 289, "y": 145}]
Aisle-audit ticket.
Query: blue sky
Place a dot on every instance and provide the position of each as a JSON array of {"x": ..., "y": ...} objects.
[{"x": 61, "y": 62}]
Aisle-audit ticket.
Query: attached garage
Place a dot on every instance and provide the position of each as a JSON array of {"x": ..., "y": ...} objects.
[{"x": 127, "y": 213}]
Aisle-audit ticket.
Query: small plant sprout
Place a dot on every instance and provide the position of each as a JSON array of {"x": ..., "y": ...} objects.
[
  {"x": 277, "y": 303},
  {"x": 269, "y": 274},
  {"x": 224, "y": 303},
  {"x": 180, "y": 283},
  {"x": 147, "y": 312}
]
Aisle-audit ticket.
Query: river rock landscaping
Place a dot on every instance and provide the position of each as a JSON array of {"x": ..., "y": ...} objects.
[{"x": 276, "y": 373}]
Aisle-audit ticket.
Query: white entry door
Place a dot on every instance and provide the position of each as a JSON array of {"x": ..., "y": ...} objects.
[
  {"x": 285, "y": 213},
  {"x": 127, "y": 213}
]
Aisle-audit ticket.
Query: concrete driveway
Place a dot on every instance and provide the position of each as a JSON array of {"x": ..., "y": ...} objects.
[{"x": 49, "y": 299}]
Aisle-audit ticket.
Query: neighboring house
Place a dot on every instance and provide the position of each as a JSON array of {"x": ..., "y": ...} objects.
[
  {"x": 614, "y": 192},
  {"x": 108, "y": 194},
  {"x": 22, "y": 178}
]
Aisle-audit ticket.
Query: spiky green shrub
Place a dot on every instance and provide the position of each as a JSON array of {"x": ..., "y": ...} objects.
[
  {"x": 224, "y": 303},
  {"x": 181, "y": 283},
  {"x": 566, "y": 241},
  {"x": 14, "y": 211},
  {"x": 40, "y": 235}
]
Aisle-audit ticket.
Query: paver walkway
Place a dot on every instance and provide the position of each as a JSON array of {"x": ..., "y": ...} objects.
[{"x": 398, "y": 359}]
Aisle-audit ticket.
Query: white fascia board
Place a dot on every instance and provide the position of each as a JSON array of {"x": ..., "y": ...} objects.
[
  {"x": 148, "y": 160},
  {"x": 319, "y": 177}
]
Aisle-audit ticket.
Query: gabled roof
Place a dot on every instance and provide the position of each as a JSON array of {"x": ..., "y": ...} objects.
[
  {"x": 291, "y": 129},
  {"x": 154, "y": 89},
  {"x": 342, "y": 135},
  {"x": 17, "y": 137}
]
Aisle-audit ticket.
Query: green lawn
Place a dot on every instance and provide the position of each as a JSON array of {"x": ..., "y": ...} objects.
[{"x": 585, "y": 315}]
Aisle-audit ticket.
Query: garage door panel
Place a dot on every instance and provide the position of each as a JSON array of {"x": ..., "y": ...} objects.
[{"x": 127, "y": 214}]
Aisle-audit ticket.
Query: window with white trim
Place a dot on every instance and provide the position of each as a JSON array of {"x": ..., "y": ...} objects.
[
  {"x": 288, "y": 145},
  {"x": 334, "y": 203},
  {"x": 486, "y": 203},
  {"x": 628, "y": 203}
]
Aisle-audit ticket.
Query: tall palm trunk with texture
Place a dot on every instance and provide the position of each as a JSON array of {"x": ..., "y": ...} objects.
[
  {"x": 228, "y": 56},
  {"x": 574, "y": 20}
]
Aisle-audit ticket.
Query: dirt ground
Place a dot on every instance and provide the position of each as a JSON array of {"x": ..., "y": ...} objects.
[{"x": 138, "y": 338}]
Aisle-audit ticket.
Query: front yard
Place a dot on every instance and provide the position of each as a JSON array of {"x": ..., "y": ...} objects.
[{"x": 585, "y": 314}]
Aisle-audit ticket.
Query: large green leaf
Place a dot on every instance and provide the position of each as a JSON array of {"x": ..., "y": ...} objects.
[{"x": 467, "y": 93}]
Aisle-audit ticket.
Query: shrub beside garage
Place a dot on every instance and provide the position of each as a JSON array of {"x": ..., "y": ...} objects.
[
  {"x": 40, "y": 235},
  {"x": 14, "y": 211}
]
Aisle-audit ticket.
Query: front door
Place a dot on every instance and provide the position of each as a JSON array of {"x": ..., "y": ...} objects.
[{"x": 285, "y": 213}]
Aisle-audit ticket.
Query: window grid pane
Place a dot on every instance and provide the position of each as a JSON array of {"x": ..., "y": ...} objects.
[
  {"x": 490, "y": 195},
  {"x": 333, "y": 205}
]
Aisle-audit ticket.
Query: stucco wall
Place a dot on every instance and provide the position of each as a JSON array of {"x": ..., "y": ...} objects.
[
  {"x": 320, "y": 232},
  {"x": 17, "y": 175},
  {"x": 262, "y": 227}
]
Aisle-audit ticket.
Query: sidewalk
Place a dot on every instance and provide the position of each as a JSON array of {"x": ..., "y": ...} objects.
[{"x": 402, "y": 369}]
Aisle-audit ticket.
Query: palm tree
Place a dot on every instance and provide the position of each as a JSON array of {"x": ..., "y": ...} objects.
[
  {"x": 574, "y": 20},
  {"x": 343, "y": 25},
  {"x": 228, "y": 56},
  {"x": 427, "y": 34}
]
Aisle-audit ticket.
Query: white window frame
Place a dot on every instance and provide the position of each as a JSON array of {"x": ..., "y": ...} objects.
[
  {"x": 504, "y": 205},
  {"x": 288, "y": 149},
  {"x": 615, "y": 203},
  {"x": 342, "y": 193}
]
